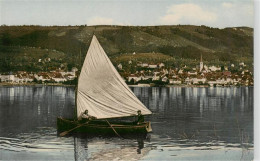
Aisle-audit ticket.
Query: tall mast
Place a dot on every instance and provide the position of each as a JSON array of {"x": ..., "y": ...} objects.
[{"x": 76, "y": 88}]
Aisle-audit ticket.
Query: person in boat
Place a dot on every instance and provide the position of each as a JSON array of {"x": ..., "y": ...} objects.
[
  {"x": 86, "y": 117},
  {"x": 140, "y": 117}
]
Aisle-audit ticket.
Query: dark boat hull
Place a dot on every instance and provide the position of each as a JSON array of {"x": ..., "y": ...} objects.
[{"x": 98, "y": 127}]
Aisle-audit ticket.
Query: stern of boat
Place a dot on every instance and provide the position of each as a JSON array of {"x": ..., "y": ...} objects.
[
  {"x": 148, "y": 127},
  {"x": 64, "y": 124}
]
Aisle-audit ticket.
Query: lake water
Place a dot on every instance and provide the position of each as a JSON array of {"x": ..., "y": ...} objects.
[{"x": 188, "y": 124}]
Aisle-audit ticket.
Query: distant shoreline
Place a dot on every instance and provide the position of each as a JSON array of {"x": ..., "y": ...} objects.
[
  {"x": 35, "y": 84},
  {"x": 140, "y": 85}
]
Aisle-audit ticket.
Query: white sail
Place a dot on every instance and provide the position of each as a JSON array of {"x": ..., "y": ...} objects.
[{"x": 102, "y": 91}]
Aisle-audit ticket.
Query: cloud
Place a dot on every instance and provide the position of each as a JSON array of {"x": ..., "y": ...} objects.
[
  {"x": 102, "y": 21},
  {"x": 227, "y": 5},
  {"x": 187, "y": 13}
]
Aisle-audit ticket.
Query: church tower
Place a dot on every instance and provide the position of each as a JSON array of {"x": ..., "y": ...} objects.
[{"x": 201, "y": 63}]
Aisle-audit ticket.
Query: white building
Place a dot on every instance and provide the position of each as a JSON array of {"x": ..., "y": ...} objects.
[
  {"x": 142, "y": 64},
  {"x": 7, "y": 78},
  {"x": 145, "y": 65},
  {"x": 180, "y": 71},
  {"x": 235, "y": 81},
  {"x": 67, "y": 73},
  {"x": 212, "y": 83},
  {"x": 161, "y": 65},
  {"x": 201, "y": 63},
  {"x": 206, "y": 68},
  {"x": 229, "y": 80},
  {"x": 188, "y": 81},
  {"x": 152, "y": 66},
  {"x": 71, "y": 74},
  {"x": 156, "y": 73},
  {"x": 172, "y": 81},
  {"x": 59, "y": 79},
  {"x": 192, "y": 73},
  {"x": 69, "y": 77},
  {"x": 242, "y": 64},
  {"x": 42, "y": 77},
  {"x": 174, "y": 76},
  {"x": 198, "y": 80},
  {"x": 48, "y": 59},
  {"x": 135, "y": 78},
  {"x": 225, "y": 67},
  {"x": 147, "y": 77},
  {"x": 156, "y": 77},
  {"x": 74, "y": 69},
  {"x": 220, "y": 81},
  {"x": 164, "y": 79},
  {"x": 165, "y": 71},
  {"x": 120, "y": 66},
  {"x": 23, "y": 79},
  {"x": 214, "y": 68}
]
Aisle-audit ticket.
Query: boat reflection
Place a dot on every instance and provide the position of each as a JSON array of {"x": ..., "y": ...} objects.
[
  {"x": 80, "y": 149},
  {"x": 140, "y": 146},
  {"x": 97, "y": 148}
]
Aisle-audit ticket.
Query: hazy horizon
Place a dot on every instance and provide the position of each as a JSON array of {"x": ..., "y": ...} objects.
[
  {"x": 215, "y": 13},
  {"x": 32, "y": 25}
]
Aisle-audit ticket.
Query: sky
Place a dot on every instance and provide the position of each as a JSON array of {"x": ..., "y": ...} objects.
[{"x": 213, "y": 13}]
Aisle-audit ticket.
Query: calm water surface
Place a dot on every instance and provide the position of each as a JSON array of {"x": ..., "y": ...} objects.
[{"x": 188, "y": 124}]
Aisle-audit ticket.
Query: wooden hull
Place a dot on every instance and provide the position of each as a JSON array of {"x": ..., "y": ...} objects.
[{"x": 98, "y": 127}]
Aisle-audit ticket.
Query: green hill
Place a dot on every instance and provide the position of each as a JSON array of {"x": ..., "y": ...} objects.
[{"x": 21, "y": 47}]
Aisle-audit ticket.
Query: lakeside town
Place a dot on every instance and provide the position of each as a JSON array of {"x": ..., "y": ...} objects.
[{"x": 147, "y": 74}]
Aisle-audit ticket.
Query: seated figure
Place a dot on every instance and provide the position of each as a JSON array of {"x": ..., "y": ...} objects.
[
  {"x": 86, "y": 117},
  {"x": 140, "y": 117}
]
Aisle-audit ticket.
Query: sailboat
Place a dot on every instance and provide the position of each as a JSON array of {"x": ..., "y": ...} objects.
[{"x": 105, "y": 95}]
